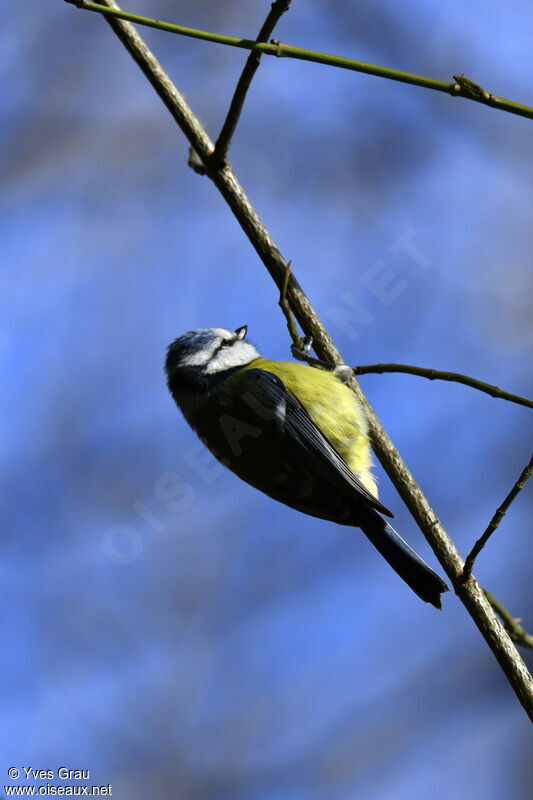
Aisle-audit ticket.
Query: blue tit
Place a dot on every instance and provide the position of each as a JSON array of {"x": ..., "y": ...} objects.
[{"x": 295, "y": 432}]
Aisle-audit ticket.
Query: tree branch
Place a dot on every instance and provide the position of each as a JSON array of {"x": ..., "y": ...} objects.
[
  {"x": 435, "y": 374},
  {"x": 224, "y": 179},
  {"x": 222, "y": 144},
  {"x": 497, "y": 518},
  {"x": 512, "y": 625},
  {"x": 459, "y": 87}
]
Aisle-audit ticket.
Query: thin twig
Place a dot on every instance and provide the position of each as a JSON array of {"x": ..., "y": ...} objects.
[
  {"x": 497, "y": 518},
  {"x": 285, "y": 307},
  {"x": 222, "y": 144},
  {"x": 225, "y": 180},
  {"x": 463, "y": 88},
  {"x": 511, "y": 625},
  {"x": 435, "y": 374}
]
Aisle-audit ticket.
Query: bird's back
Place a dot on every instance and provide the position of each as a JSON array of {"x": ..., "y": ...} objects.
[{"x": 333, "y": 408}]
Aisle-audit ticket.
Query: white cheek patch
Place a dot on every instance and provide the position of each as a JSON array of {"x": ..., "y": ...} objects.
[
  {"x": 236, "y": 354},
  {"x": 200, "y": 357}
]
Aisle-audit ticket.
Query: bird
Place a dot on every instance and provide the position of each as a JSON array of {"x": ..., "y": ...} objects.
[{"x": 294, "y": 431}]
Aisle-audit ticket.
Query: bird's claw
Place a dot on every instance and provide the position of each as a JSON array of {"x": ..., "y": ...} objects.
[
  {"x": 303, "y": 353},
  {"x": 307, "y": 343}
]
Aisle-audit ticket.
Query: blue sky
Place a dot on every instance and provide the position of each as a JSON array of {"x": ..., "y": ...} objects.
[{"x": 166, "y": 626}]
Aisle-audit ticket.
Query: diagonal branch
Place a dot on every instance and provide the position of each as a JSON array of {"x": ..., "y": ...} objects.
[
  {"x": 225, "y": 180},
  {"x": 435, "y": 374},
  {"x": 223, "y": 142},
  {"x": 459, "y": 87},
  {"x": 497, "y": 518}
]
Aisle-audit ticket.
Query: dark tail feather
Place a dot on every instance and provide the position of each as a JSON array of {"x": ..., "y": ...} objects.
[{"x": 404, "y": 561}]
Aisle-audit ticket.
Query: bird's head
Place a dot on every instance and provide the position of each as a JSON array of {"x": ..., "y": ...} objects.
[{"x": 206, "y": 353}]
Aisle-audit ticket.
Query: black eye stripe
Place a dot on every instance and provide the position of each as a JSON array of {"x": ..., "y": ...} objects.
[{"x": 224, "y": 343}]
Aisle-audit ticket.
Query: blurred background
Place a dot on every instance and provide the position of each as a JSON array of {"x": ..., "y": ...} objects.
[{"x": 165, "y": 626}]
